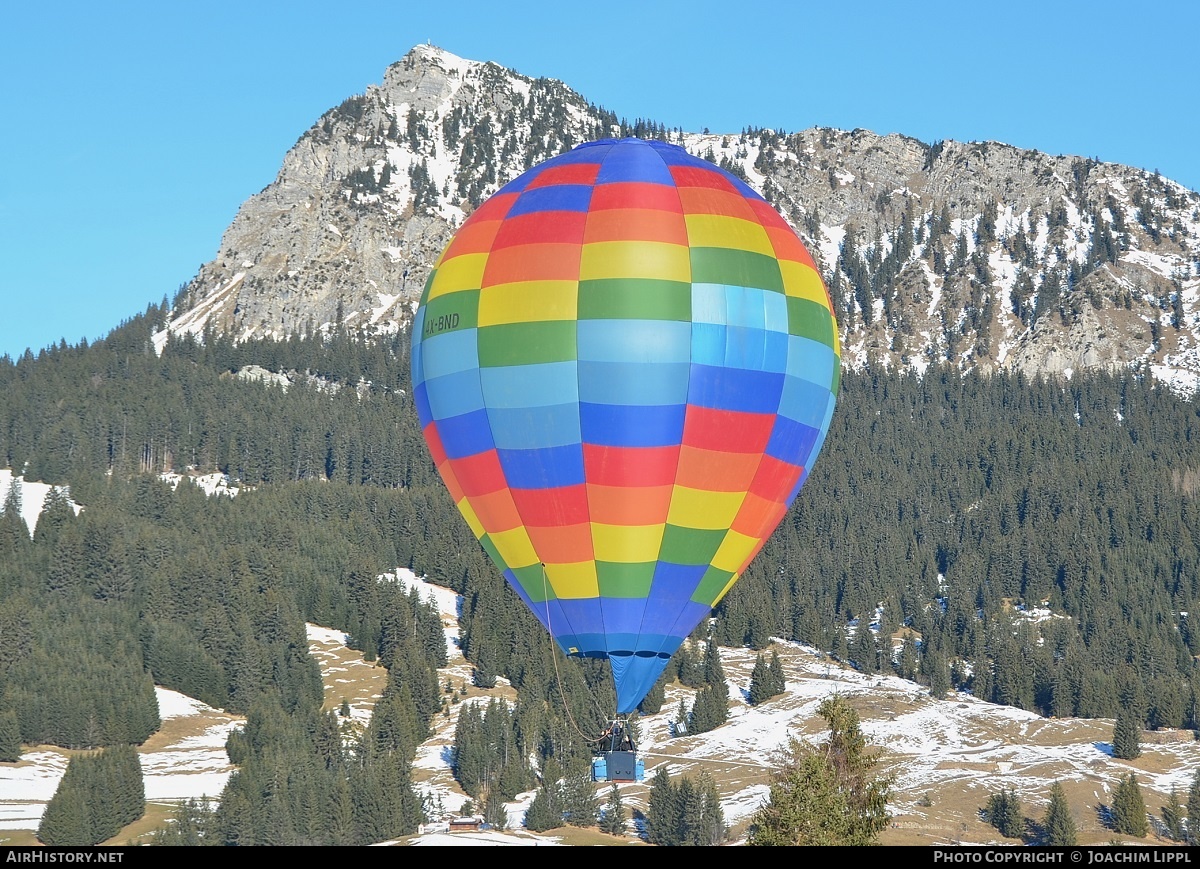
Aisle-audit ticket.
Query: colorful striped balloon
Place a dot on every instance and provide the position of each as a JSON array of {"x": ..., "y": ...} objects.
[{"x": 625, "y": 363}]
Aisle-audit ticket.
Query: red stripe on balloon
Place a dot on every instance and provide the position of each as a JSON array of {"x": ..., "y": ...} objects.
[
  {"x": 630, "y": 466},
  {"x": 568, "y": 173},
  {"x": 542, "y": 227},
  {"x": 635, "y": 194},
  {"x": 480, "y": 473},
  {"x": 551, "y": 508},
  {"x": 727, "y": 430}
]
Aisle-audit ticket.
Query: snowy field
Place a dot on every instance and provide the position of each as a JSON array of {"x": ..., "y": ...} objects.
[{"x": 946, "y": 756}]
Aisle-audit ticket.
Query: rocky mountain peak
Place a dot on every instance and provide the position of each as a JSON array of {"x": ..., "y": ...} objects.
[{"x": 990, "y": 256}]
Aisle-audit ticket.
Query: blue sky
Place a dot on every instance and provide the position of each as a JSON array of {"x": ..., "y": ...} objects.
[{"x": 133, "y": 131}]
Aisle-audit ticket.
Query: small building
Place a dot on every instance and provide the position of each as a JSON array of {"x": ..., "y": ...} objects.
[{"x": 466, "y": 825}]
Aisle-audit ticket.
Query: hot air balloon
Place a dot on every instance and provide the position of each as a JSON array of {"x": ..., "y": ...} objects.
[{"x": 625, "y": 363}]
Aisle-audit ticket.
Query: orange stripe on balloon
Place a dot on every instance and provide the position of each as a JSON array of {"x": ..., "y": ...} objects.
[
  {"x": 532, "y": 262},
  {"x": 496, "y": 511},
  {"x": 788, "y": 247},
  {"x": 562, "y": 544},
  {"x": 495, "y": 208},
  {"x": 706, "y": 200},
  {"x": 474, "y": 237},
  {"x": 715, "y": 471},
  {"x": 451, "y": 481},
  {"x": 626, "y": 505},
  {"x": 757, "y": 516},
  {"x": 637, "y": 224}
]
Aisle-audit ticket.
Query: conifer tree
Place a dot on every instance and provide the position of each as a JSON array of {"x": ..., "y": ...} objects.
[
  {"x": 1004, "y": 812},
  {"x": 1193, "y": 810},
  {"x": 10, "y": 737},
  {"x": 580, "y": 803},
  {"x": 778, "y": 681},
  {"x": 1172, "y": 816},
  {"x": 663, "y": 813},
  {"x": 1127, "y": 735},
  {"x": 1057, "y": 824},
  {"x": 613, "y": 820},
  {"x": 541, "y": 814},
  {"x": 826, "y": 794},
  {"x": 760, "y": 682},
  {"x": 1129, "y": 808}
]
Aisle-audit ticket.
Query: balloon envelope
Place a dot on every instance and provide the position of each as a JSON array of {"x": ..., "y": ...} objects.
[{"x": 625, "y": 363}]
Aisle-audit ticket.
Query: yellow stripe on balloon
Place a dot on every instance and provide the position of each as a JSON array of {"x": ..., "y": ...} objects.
[
  {"x": 802, "y": 282},
  {"x": 721, "y": 230},
  {"x": 460, "y": 273},
  {"x": 514, "y": 546},
  {"x": 528, "y": 302},
  {"x": 573, "y": 580},
  {"x": 734, "y": 551},
  {"x": 468, "y": 512},
  {"x": 650, "y": 260},
  {"x": 698, "y": 508},
  {"x": 627, "y": 544}
]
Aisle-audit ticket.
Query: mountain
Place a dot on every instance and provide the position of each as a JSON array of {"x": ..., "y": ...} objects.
[{"x": 989, "y": 256}]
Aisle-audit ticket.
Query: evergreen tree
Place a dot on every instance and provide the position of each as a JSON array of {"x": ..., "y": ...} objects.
[
  {"x": 778, "y": 680},
  {"x": 1193, "y": 810},
  {"x": 826, "y": 794},
  {"x": 1172, "y": 817},
  {"x": 710, "y": 708},
  {"x": 760, "y": 682},
  {"x": 663, "y": 812},
  {"x": 541, "y": 816},
  {"x": 580, "y": 803},
  {"x": 1004, "y": 812},
  {"x": 10, "y": 737},
  {"x": 1057, "y": 824},
  {"x": 1127, "y": 735},
  {"x": 1129, "y": 808},
  {"x": 613, "y": 820}
]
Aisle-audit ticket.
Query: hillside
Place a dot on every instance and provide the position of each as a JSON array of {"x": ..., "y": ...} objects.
[
  {"x": 986, "y": 255},
  {"x": 947, "y": 756}
]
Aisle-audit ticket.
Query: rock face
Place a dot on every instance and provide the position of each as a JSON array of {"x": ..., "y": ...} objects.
[{"x": 990, "y": 256}]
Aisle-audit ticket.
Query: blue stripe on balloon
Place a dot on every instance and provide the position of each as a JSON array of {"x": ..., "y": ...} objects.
[
  {"x": 634, "y": 340},
  {"x": 421, "y": 400},
  {"x": 548, "y": 468},
  {"x": 560, "y": 197},
  {"x": 524, "y": 385},
  {"x": 792, "y": 441},
  {"x": 745, "y": 306},
  {"x": 515, "y": 428},
  {"x": 811, "y": 360},
  {"x": 634, "y": 164},
  {"x": 628, "y": 426},
  {"x": 746, "y": 347},
  {"x": 450, "y": 352},
  {"x": 804, "y": 401},
  {"x": 639, "y": 383},
  {"x": 737, "y": 389},
  {"x": 708, "y": 343},
  {"x": 454, "y": 394},
  {"x": 465, "y": 435}
]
